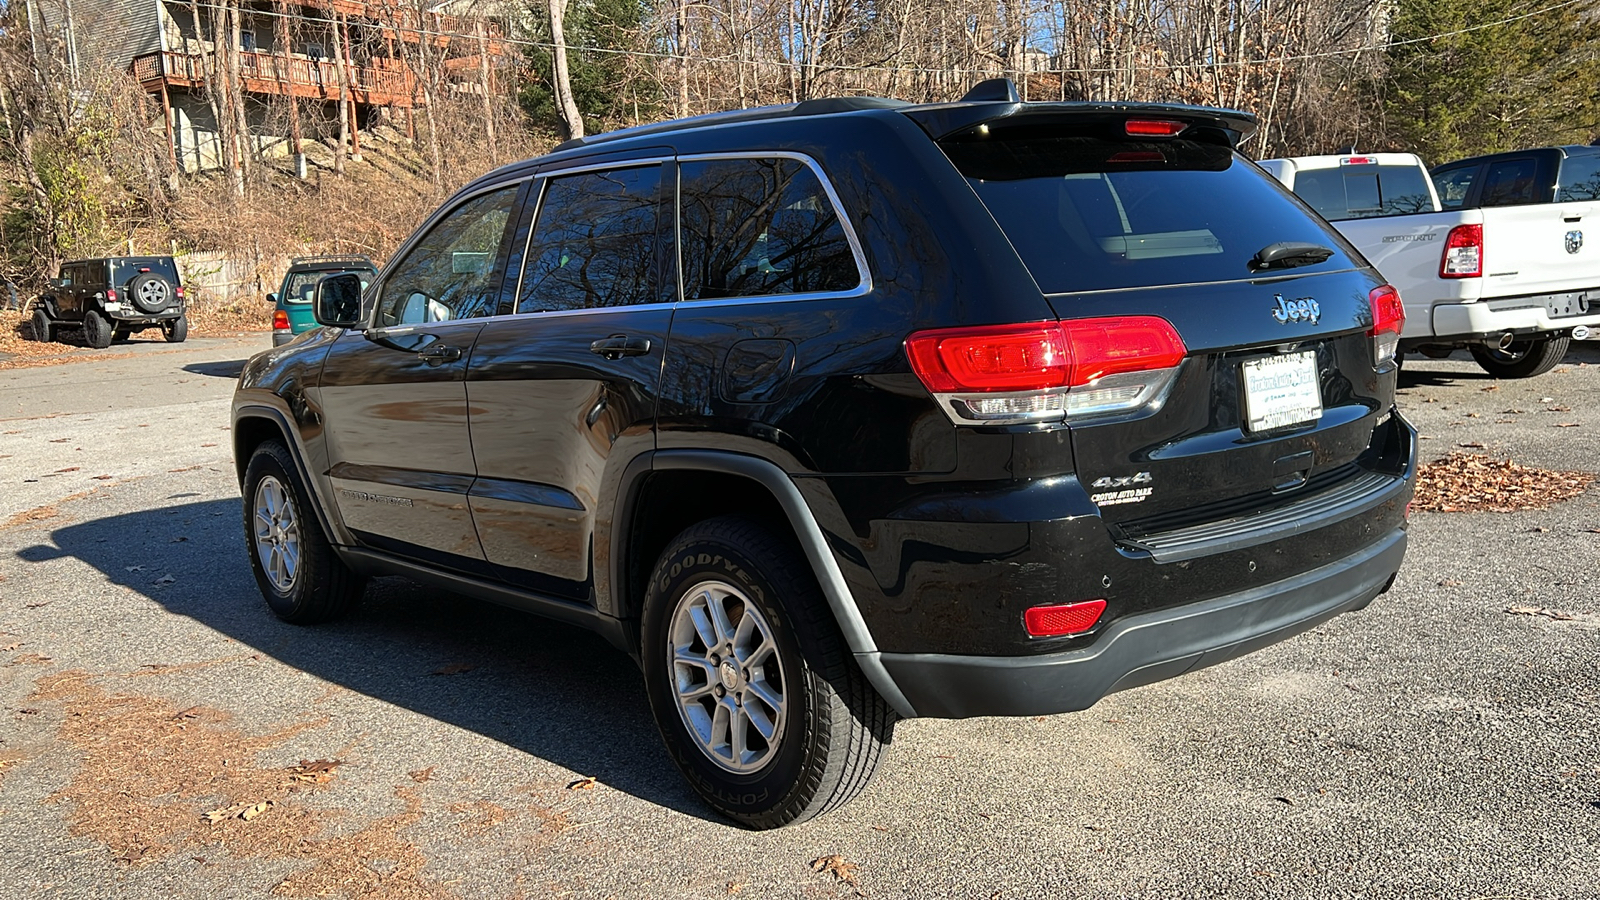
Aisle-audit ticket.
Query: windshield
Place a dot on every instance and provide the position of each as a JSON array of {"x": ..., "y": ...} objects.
[
  {"x": 298, "y": 286},
  {"x": 1087, "y": 213},
  {"x": 1361, "y": 192}
]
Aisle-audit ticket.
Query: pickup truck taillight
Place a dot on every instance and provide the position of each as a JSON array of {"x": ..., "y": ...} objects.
[
  {"x": 1388, "y": 318},
  {"x": 280, "y": 320},
  {"x": 1047, "y": 371},
  {"x": 1463, "y": 253}
]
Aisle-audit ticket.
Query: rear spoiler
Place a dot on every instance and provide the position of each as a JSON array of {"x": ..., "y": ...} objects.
[{"x": 943, "y": 121}]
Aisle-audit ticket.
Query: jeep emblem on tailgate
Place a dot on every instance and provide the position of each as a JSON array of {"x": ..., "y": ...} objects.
[
  {"x": 1302, "y": 309},
  {"x": 1574, "y": 241}
]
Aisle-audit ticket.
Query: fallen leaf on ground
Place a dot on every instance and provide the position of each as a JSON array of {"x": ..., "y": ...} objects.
[
  {"x": 839, "y": 868},
  {"x": 102, "y": 477},
  {"x": 315, "y": 771},
  {"x": 1556, "y": 614},
  {"x": 245, "y": 811},
  {"x": 10, "y": 647},
  {"x": 1473, "y": 482},
  {"x": 1492, "y": 387},
  {"x": 67, "y": 469},
  {"x": 1568, "y": 424},
  {"x": 1472, "y": 444},
  {"x": 454, "y": 669},
  {"x": 1449, "y": 582},
  {"x": 421, "y": 775},
  {"x": 1558, "y": 409},
  {"x": 582, "y": 784}
]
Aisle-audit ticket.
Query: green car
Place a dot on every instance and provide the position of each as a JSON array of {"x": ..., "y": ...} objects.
[{"x": 291, "y": 305}]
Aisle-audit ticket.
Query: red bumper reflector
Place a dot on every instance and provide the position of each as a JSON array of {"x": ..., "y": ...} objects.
[{"x": 1065, "y": 618}]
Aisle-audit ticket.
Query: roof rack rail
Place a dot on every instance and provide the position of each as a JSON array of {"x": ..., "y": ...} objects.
[{"x": 333, "y": 258}]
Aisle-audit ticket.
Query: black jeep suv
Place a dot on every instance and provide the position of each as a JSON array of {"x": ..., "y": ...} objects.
[
  {"x": 850, "y": 410},
  {"x": 113, "y": 297}
]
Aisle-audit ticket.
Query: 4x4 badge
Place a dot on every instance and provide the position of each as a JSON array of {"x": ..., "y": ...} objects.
[
  {"x": 1574, "y": 241},
  {"x": 1300, "y": 309},
  {"x": 1127, "y": 494}
]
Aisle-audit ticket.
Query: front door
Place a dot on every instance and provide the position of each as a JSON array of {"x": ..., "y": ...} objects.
[
  {"x": 563, "y": 388},
  {"x": 399, "y": 454}
]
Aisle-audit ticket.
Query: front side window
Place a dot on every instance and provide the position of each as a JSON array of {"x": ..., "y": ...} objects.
[
  {"x": 1511, "y": 182},
  {"x": 595, "y": 242},
  {"x": 1453, "y": 186},
  {"x": 449, "y": 274},
  {"x": 756, "y": 227},
  {"x": 1580, "y": 179}
]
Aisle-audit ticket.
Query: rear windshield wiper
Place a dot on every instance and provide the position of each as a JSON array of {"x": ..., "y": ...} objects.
[{"x": 1288, "y": 255}]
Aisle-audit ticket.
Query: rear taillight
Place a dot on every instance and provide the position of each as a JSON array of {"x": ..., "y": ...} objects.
[
  {"x": 1388, "y": 319},
  {"x": 178, "y": 291},
  {"x": 280, "y": 320},
  {"x": 111, "y": 294},
  {"x": 1047, "y": 371},
  {"x": 1463, "y": 253},
  {"x": 1065, "y": 618},
  {"x": 1155, "y": 127}
]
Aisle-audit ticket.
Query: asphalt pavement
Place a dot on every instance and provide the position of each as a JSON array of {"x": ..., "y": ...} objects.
[{"x": 1432, "y": 745}]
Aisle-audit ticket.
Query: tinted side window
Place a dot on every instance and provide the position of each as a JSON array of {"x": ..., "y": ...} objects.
[
  {"x": 1454, "y": 185},
  {"x": 1511, "y": 182},
  {"x": 595, "y": 242},
  {"x": 1580, "y": 178},
  {"x": 754, "y": 227},
  {"x": 449, "y": 273}
]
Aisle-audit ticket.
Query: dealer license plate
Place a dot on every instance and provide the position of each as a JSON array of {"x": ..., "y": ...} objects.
[{"x": 1280, "y": 391}]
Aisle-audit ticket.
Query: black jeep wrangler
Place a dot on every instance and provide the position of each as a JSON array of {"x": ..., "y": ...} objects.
[
  {"x": 851, "y": 410},
  {"x": 113, "y": 297}
]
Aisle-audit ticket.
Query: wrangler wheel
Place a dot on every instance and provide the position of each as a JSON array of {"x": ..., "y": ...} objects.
[{"x": 752, "y": 687}]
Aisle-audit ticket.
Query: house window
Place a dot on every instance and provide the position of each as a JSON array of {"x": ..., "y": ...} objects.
[
  {"x": 247, "y": 41},
  {"x": 315, "y": 51}
]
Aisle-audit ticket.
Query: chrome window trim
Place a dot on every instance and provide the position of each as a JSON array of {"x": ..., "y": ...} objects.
[
  {"x": 864, "y": 286},
  {"x": 382, "y": 279}
]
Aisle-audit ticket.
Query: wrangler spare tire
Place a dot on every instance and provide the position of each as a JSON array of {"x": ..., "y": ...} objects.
[{"x": 150, "y": 292}]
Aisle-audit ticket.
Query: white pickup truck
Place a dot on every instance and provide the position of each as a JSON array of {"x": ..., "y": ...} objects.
[{"x": 1505, "y": 274}]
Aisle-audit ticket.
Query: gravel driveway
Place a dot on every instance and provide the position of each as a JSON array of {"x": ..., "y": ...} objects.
[{"x": 1433, "y": 745}]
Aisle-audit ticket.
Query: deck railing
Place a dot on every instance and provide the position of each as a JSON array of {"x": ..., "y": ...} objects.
[{"x": 275, "y": 73}]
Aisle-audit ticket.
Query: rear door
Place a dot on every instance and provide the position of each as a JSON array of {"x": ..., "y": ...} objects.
[
  {"x": 1538, "y": 247},
  {"x": 1280, "y": 392},
  {"x": 563, "y": 386},
  {"x": 394, "y": 397}
]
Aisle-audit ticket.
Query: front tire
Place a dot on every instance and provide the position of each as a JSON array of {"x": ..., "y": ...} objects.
[
  {"x": 1522, "y": 359},
  {"x": 43, "y": 328},
  {"x": 96, "y": 329},
  {"x": 177, "y": 330},
  {"x": 297, "y": 570},
  {"x": 752, "y": 687}
]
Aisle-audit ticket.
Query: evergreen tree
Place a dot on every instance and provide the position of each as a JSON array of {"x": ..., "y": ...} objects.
[
  {"x": 612, "y": 89},
  {"x": 1521, "y": 84}
]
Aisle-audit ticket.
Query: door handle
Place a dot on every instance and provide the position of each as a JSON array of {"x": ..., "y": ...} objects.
[
  {"x": 619, "y": 345},
  {"x": 439, "y": 353}
]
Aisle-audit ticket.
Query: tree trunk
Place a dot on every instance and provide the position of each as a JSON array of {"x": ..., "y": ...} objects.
[
  {"x": 571, "y": 119},
  {"x": 486, "y": 84}
]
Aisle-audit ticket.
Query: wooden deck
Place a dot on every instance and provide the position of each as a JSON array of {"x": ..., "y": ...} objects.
[{"x": 291, "y": 76}]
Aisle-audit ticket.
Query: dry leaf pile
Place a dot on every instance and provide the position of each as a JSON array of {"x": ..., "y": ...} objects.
[
  {"x": 840, "y": 868},
  {"x": 1473, "y": 482}
]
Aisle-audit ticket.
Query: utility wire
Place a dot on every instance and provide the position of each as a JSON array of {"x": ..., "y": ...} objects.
[{"x": 942, "y": 70}]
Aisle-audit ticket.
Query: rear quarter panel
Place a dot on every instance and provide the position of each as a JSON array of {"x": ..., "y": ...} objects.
[{"x": 1407, "y": 251}]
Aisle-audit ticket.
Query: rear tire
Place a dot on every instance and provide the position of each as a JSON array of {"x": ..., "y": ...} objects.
[
  {"x": 1523, "y": 359},
  {"x": 176, "y": 331},
  {"x": 96, "y": 329},
  {"x": 774, "y": 662},
  {"x": 297, "y": 570},
  {"x": 44, "y": 328}
]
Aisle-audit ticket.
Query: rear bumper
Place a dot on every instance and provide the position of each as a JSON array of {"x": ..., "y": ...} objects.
[
  {"x": 132, "y": 316},
  {"x": 279, "y": 338},
  {"x": 1521, "y": 315},
  {"x": 1142, "y": 649}
]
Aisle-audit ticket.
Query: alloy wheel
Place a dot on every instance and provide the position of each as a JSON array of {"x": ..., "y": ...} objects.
[
  {"x": 277, "y": 534},
  {"x": 727, "y": 676}
]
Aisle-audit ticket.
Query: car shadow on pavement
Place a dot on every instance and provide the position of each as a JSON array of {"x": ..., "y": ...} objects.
[
  {"x": 227, "y": 368},
  {"x": 544, "y": 688}
]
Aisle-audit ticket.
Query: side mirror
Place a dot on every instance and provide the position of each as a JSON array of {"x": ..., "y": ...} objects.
[
  {"x": 337, "y": 300},
  {"x": 272, "y": 298}
]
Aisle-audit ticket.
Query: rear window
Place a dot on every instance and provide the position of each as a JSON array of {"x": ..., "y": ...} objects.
[
  {"x": 1453, "y": 186},
  {"x": 299, "y": 285},
  {"x": 126, "y": 270},
  {"x": 1511, "y": 182},
  {"x": 1087, "y": 213},
  {"x": 1580, "y": 178},
  {"x": 1364, "y": 191}
]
